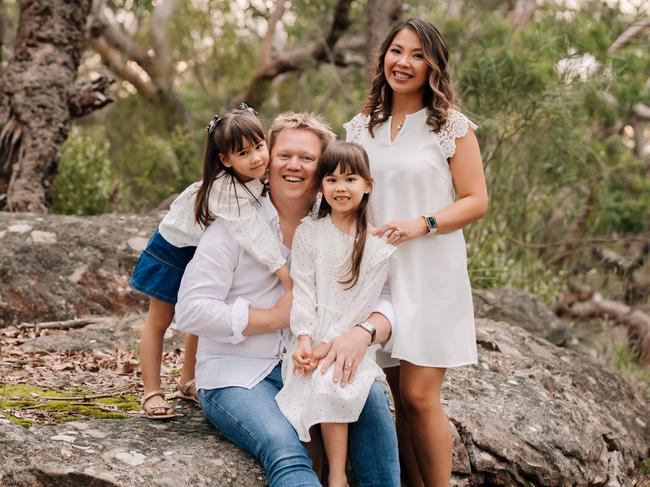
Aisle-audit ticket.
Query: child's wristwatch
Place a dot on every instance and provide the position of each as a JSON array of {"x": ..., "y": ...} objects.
[
  {"x": 431, "y": 222},
  {"x": 364, "y": 325}
]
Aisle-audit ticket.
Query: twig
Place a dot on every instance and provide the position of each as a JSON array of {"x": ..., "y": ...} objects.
[
  {"x": 66, "y": 325},
  {"x": 70, "y": 398}
]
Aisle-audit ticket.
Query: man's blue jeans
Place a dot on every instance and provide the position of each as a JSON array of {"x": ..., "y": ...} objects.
[{"x": 250, "y": 418}]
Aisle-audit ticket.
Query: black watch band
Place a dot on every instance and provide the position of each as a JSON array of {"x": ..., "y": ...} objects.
[{"x": 431, "y": 222}]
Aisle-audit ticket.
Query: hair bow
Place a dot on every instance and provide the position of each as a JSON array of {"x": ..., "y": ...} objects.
[
  {"x": 244, "y": 106},
  {"x": 213, "y": 123}
]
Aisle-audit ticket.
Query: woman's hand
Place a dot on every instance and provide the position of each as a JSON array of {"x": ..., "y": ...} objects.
[
  {"x": 302, "y": 355},
  {"x": 346, "y": 353},
  {"x": 400, "y": 231}
]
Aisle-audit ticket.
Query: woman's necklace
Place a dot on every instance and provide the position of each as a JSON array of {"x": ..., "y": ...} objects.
[{"x": 400, "y": 125}]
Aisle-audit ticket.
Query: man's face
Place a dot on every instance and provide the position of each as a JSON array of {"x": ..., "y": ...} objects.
[{"x": 292, "y": 170}]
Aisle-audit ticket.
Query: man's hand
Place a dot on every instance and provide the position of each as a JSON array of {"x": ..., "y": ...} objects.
[
  {"x": 346, "y": 353},
  {"x": 302, "y": 355}
]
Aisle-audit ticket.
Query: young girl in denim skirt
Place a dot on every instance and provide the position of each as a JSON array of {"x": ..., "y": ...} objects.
[{"x": 235, "y": 163}]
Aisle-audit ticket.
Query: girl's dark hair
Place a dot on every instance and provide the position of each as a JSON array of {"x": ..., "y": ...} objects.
[
  {"x": 231, "y": 133},
  {"x": 350, "y": 158},
  {"x": 438, "y": 94}
]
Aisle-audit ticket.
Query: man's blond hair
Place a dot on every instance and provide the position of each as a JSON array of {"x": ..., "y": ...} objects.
[{"x": 302, "y": 121}]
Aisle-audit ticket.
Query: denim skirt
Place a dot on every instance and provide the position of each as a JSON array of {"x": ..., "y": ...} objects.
[{"x": 160, "y": 268}]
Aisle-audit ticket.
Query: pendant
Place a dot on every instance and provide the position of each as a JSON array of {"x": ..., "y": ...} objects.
[{"x": 399, "y": 126}]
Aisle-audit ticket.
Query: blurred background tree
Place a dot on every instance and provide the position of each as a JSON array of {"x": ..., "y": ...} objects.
[{"x": 559, "y": 88}]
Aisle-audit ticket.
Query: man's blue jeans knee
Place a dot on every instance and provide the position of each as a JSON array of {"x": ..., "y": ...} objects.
[{"x": 251, "y": 419}]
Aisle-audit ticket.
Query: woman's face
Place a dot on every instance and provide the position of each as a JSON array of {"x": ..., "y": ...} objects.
[{"x": 405, "y": 68}]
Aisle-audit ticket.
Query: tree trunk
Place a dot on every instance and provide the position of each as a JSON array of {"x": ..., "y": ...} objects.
[
  {"x": 3, "y": 27},
  {"x": 35, "y": 91},
  {"x": 380, "y": 17}
]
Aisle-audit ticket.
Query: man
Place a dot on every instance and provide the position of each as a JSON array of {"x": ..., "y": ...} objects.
[{"x": 238, "y": 308}]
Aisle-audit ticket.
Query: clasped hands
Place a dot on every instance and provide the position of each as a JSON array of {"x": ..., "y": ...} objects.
[
  {"x": 399, "y": 231},
  {"x": 343, "y": 352}
]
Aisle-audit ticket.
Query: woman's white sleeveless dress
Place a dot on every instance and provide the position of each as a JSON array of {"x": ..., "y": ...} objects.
[{"x": 428, "y": 281}]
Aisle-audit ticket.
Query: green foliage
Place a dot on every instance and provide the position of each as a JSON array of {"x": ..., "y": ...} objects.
[
  {"x": 551, "y": 100},
  {"x": 84, "y": 181}
]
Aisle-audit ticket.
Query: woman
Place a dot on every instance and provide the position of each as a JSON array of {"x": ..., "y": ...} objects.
[{"x": 429, "y": 184}]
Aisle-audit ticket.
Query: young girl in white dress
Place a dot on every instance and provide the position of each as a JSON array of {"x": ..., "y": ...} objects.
[
  {"x": 235, "y": 162},
  {"x": 338, "y": 269},
  {"x": 429, "y": 184}
]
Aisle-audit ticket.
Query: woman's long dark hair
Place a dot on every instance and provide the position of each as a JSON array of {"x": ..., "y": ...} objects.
[
  {"x": 231, "y": 133},
  {"x": 438, "y": 94},
  {"x": 350, "y": 158}
]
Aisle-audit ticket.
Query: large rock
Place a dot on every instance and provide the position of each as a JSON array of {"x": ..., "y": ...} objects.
[
  {"x": 60, "y": 267},
  {"x": 529, "y": 413},
  {"x": 137, "y": 452},
  {"x": 522, "y": 309}
]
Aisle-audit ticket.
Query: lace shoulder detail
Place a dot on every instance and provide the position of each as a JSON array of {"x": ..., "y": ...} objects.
[
  {"x": 455, "y": 128},
  {"x": 355, "y": 127}
]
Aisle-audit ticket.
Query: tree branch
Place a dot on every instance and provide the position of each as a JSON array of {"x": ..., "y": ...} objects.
[
  {"x": 106, "y": 26},
  {"x": 113, "y": 60},
  {"x": 293, "y": 60},
  {"x": 89, "y": 96},
  {"x": 630, "y": 34},
  {"x": 267, "y": 41},
  {"x": 161, "y": 70},
  {"x": 520, "y": 13}
]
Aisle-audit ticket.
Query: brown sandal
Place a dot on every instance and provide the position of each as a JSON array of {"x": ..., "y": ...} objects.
[
  {"x": 187, "y": 391},
  {"x": 153, "y": 411}
]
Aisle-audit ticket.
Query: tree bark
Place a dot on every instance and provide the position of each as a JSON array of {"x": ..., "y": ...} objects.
[
  {"x": 3, "y": 27},
  {"x": 381, "y": 16},
  {"x": 35, "y": 91}
]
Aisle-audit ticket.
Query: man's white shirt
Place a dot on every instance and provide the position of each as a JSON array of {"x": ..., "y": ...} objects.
[{"x": 219, "y": 285}]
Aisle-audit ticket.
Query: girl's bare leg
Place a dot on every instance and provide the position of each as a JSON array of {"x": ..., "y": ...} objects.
[
  {"x": 189, "y": 358},
  {"x": 335, "y": 439},
  {"x": 406, "y": 453},
  {"x": 427, "y": 422},
  {"x": 158, "y": 320},
  {"x": 315, "y": 450}
]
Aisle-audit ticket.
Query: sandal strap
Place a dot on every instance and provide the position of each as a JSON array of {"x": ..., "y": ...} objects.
[
  {"x": 185, "y": 388},
  {"x": 146, "y": 397}
]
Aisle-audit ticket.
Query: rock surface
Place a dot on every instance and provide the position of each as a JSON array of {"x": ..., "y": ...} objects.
[
  {"x": 529, "y": 413},
  {"x": 522, "y": 309},
  {"x": 137, "y": 452},
  {"x": 60, "y": 267}
]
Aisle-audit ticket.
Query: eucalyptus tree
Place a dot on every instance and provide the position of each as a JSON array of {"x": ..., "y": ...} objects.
[{"x": 39, "y": 98}]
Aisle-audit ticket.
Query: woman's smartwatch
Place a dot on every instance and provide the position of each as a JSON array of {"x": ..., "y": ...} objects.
[
  {"x": 370, "y": 329},
  {"x": 432, "y": 224}
]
